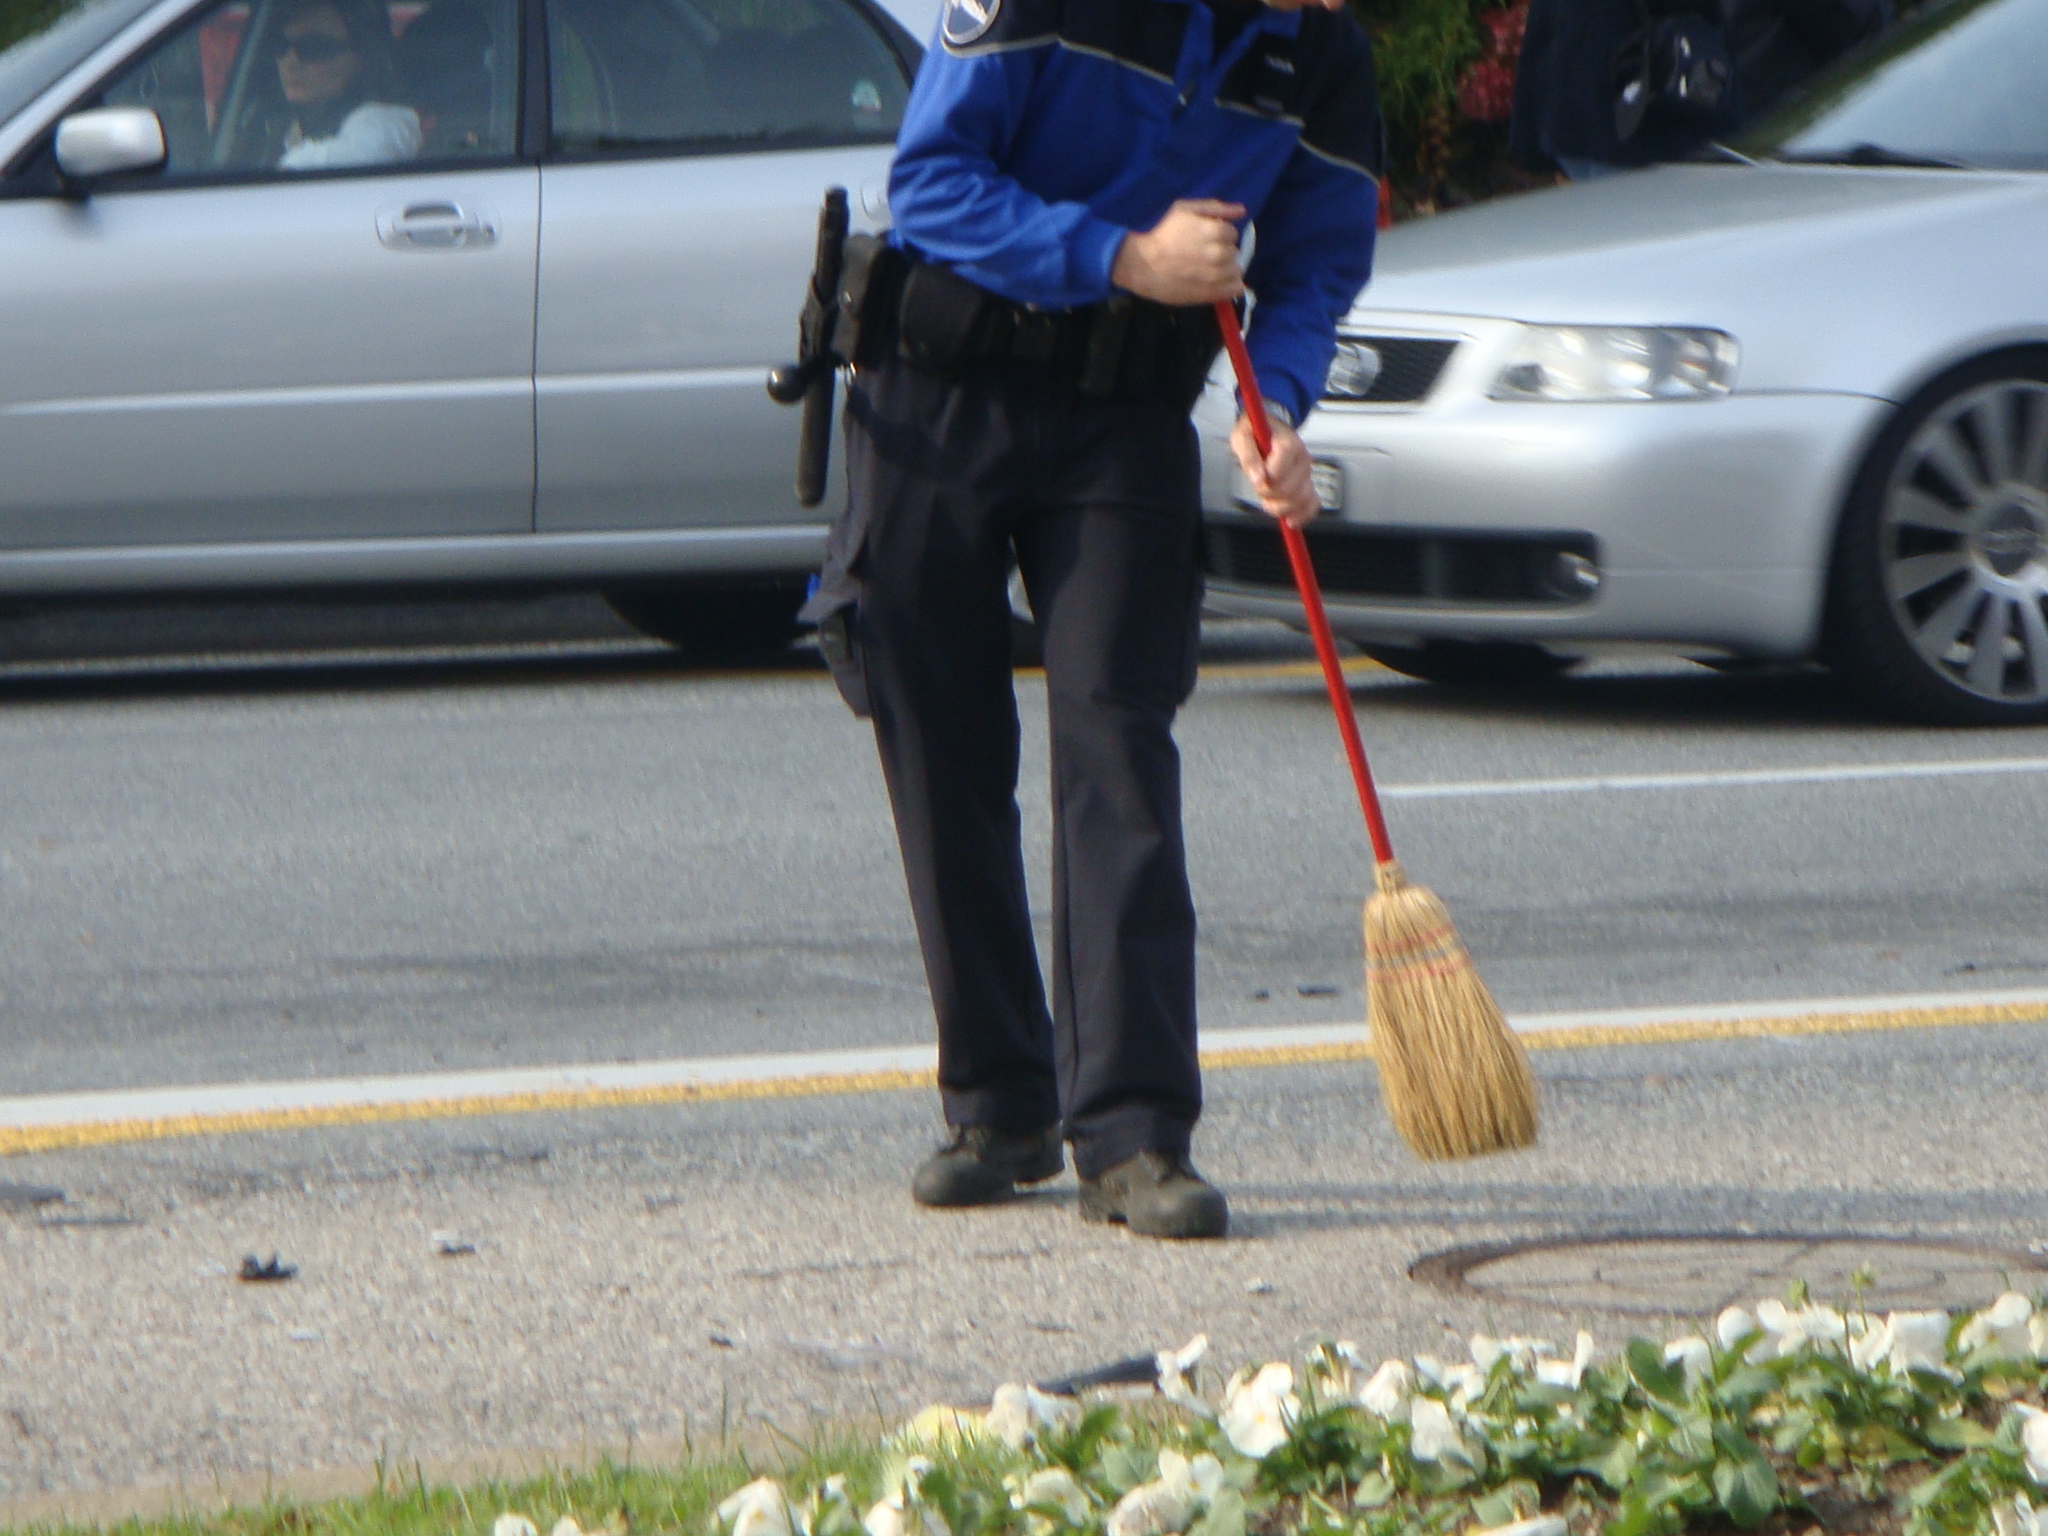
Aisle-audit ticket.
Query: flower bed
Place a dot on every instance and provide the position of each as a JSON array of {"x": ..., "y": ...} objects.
[{"x": 1785, "y": 1418}]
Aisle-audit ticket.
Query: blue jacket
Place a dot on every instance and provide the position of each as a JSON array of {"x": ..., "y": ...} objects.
[{"x": 1040, "y": 132}]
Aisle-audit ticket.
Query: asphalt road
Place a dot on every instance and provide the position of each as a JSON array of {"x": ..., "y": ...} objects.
[{"x": 337, "y": 861}]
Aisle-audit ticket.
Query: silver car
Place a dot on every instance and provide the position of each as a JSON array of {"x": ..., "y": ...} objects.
[
  {"x": 1789, "y": 405},
  {"x": 333, "y": 293}
]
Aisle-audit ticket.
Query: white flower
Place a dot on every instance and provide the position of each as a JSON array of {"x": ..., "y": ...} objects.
[
  {"x": 1259, "y": 1408},
  {"x": 1789, "y": 1332},
  {"x": 891, "y": 1517},
  {"x": 1542, "y": 1525},
  {"x": 2001, "y": 1329},
  {"x": 1734, "y": 1324},
  {"x": 1389, "y": 1390},
  {"x": 2019, "y": 1518},
  {"x": 2037, "y": 1335},
  {"x": 759, "y": 1509},
  {"x": 2034, "y": 1440},
  {"x": 1520, "y": 1353},
  {"x": 1693, "y": 1353},
  {"x": 1174, "y": 1365},
  {"x": 1170, "y": 1502},
  {"x": 1568, "y": 1373},
  {"x": 891, "y": 1514},
  {"x": 1050, "y": 1488},
  {"x": 1019, "y": 1411},
  {"x": 509, "y": 1524},
  {"x": 1919, "y": 1342},
  {"x": 1435, "y": 1435}
]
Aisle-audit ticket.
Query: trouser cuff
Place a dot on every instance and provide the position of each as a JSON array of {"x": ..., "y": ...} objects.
[
  {"x": 1117, "y": 1137},
  {"x": 998, "y": 1111}
]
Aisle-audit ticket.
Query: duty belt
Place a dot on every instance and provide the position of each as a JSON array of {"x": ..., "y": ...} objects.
[{"x": 938, "y": 321}]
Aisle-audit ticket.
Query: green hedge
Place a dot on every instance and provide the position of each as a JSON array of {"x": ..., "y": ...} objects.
[{"x": 1429, "y": 54}]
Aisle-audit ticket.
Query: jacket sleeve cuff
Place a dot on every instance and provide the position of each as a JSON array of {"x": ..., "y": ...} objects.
[
  {"x": 1094, "y": 246},
  {"x": 1284, "y": 391}
]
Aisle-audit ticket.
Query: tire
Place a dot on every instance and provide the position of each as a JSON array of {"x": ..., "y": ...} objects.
[
  {"x": 1938, "y": 591},
  {"x": 1474, "y": 666},
  {"x": 718, "y": 624}
]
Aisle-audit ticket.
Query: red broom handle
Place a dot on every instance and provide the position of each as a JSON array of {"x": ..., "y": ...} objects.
[{"x": 1311, "y": 593}]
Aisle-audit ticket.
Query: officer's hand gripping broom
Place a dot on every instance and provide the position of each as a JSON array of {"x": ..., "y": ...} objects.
[{"x": 1454, "y": 1077}]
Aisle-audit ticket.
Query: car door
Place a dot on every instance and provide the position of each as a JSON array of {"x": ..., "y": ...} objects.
[
  {"x": 314, "y": 323},
  {"x": 692, "y": 142}
]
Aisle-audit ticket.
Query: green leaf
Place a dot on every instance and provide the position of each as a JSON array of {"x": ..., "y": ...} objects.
[
  {"x": 1744, "y": 1483},
  {"x": 1373, "y": 1490},
  {"x": 1614, "y": 1464},
  {"x": 1496, "y": 1508},
  {"x": 1693, "y": 1439},
  {"x": 1223, "y": 1518},
  {"x": 1957, "y": 1434},
  {"x": 1665, "y": 1383},
  {"x": 1745, "y": 1386}
]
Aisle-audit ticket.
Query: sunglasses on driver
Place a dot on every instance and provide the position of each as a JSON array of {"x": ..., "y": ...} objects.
[{"x": 316, "y": 48}]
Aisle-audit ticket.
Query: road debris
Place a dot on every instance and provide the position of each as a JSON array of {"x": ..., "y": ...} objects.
[
  {"x": 257, "y": 1271},
  {"x": 452, "y": 1245}
]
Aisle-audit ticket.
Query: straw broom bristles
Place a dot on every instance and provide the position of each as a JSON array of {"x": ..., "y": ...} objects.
[{"x": 1455, "y": 1078}]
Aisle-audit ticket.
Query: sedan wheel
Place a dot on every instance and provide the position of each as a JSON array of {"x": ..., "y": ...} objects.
[{"x": 1941, "y": 581}]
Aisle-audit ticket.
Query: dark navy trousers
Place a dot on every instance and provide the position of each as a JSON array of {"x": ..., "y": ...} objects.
[{"x": 1100, "y": 502}]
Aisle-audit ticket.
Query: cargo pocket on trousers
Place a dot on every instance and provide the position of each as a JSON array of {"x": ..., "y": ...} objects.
[{"x": 835, "y": 608}]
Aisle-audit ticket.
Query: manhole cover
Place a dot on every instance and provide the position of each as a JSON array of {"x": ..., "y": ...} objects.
[{"x": 1697, "y": 1274}]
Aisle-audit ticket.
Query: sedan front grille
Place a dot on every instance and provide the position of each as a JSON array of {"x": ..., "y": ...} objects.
[
  {"x": 1404, "y": 562},
  {"x": 1409, "y": 368}
]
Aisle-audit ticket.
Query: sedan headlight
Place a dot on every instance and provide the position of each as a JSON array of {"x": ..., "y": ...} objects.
[{"x": 1617, "y": 362}]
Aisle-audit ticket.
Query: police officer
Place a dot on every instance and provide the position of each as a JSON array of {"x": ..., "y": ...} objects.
[{"x": 1068, "y": 193}]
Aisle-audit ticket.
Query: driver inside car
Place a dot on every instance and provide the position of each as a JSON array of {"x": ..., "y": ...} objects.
[{"x": 335, "y": 72}]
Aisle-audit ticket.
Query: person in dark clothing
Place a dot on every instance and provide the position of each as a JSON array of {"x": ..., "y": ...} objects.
[
  {"x": 1069, "y": 191},
  {"x": 1579, "y": 57}
]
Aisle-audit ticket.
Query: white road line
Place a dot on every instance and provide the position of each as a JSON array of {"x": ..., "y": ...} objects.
[
  {"x": 1735, "y": 778},
  {"x": 143, "y": 1104}
]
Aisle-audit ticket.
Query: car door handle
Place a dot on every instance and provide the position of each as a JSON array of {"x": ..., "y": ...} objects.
[{"x": 435, "y": 227}]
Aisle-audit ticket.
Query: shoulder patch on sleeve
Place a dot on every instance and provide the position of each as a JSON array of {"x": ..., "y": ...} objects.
[{"x": 967, "y": 22}]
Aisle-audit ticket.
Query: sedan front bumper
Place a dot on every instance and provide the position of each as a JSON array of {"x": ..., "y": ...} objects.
[{"x": 1709, "y": 522}]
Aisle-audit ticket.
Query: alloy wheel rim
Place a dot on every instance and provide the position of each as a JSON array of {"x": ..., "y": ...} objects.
[{"x": 1964, "y": 541}]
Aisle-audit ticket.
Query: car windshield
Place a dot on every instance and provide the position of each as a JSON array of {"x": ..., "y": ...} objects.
[
  {"x": 1956, "y": 85},
  {"x": 58, "y": 36}
]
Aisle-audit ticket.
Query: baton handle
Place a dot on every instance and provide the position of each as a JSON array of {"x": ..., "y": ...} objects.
[
  {"x": 1311, "y": 592},
  {"x": 814, "y": 438}
]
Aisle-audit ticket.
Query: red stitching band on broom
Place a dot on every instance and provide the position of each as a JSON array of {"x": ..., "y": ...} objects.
[{"x": 1455, "y": 1079}]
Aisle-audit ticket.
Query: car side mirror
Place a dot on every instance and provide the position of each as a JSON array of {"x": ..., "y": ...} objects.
[{"x": 109, "y": 141}]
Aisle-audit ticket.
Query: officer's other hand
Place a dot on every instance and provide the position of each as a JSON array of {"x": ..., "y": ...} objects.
[
  {"x": 1283, "y": 479},
  {"x": 1188, "y": 257}
]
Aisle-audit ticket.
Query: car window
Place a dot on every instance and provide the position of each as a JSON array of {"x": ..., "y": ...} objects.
[
  {"x": 708, "y": 75},
  {"x": 290, "y": 87},
  {"x": 1960, "y": 83}
]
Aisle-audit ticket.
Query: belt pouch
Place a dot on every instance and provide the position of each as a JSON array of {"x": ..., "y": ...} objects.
[
  {"x": 870, "y": 272},
  {"x": 1109, "y": 332},
  {"x": 942, "y": 319}
]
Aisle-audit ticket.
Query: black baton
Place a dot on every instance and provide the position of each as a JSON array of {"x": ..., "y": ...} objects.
[{"x": 815, "y": 373}]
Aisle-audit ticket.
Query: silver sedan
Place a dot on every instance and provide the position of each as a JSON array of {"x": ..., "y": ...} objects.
[
  {"x": 1791, "y": 404},
  {"x": 327, "y": 293}
]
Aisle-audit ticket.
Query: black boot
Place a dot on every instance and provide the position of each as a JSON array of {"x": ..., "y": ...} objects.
[
  {"x": 1157, "y": 1194},
  {"x": 982, "y": 1166}
]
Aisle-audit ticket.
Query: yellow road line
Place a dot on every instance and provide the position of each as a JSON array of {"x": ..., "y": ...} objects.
[{"x": 16, "y": 1141}]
